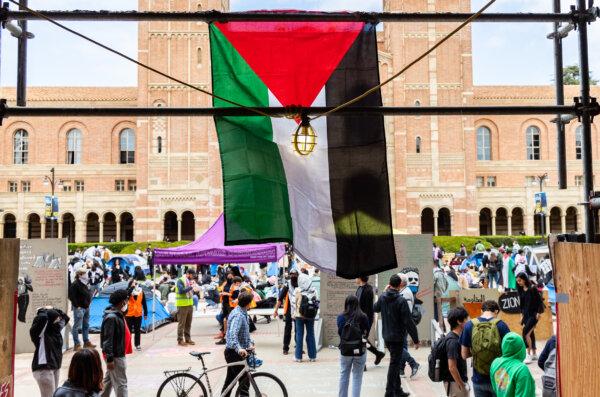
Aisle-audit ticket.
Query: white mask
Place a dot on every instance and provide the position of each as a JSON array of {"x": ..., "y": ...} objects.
[{"x": 124, "y": 308}]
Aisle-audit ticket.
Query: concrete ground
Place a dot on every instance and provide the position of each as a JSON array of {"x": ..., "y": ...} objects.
[{"x": 160, "y": 352}]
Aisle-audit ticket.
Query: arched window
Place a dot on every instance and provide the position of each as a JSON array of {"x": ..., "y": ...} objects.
[
  {"x": 418, "y": 144},
  {"x": 533, "y": 143},
  {"x": 199, "y": 56},
  {"x": 578, "y": 142},
  {"x": 159, "y": 144},
  {"x": 127, "y": 146},
  {"x": 484, "y": 143},
  {"x": 74, "y": 146},
  {"x": 20, "y": 147}
]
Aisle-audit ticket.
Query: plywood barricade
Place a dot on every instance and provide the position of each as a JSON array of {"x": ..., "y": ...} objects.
[
  {"x": 472, "y": 299},
  {"x": 9, "y": 269},
  {"x": 577, "y": 280}
]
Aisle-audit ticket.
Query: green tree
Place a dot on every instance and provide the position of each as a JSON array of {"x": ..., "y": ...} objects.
[{"x": 571, "y": 76}]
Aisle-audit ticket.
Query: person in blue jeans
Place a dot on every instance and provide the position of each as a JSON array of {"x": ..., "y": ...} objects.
[
  {"x": 301, "y": 323},
  {"x": 81, "y": 297},
  {"x": 353, "y": 328},
  {"x": 482, "y": 384}
]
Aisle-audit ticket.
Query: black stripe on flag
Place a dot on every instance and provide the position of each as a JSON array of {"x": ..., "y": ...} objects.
[{"x": 360, "y": 193}]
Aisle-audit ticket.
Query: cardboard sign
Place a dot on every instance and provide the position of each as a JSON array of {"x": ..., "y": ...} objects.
[{"x": 510, "y": 302}]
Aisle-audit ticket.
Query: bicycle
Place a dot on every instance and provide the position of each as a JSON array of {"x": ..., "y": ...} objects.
[{"x": 184, "y": 384}]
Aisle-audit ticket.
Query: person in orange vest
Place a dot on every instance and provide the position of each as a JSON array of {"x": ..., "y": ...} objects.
[{"x": 136, "y": 306}]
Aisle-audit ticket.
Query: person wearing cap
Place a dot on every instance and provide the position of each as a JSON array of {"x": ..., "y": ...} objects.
[
  {"x": 185, "y": 307},
  {"x": 81, "y": 298},
  {"x": 115, "y": 340},
  {"x": 287, "y": 299}
]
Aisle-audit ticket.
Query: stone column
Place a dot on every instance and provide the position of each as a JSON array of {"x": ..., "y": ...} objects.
[
  {"x": 509, "y": 224},
  {"x": 179, "y": 229},
  {"x": 80, "y": 231},
  {"x": 60, "y": 229},
  {"x": 21, "y": 229},
  {"x": 563, "y": 223},
  {"x": 1, "y": 229},
  {"x": 493, "y": 225},
  {"x": 118, "y": 230},
  {"x": 101, "y": 231},
  {"x": 43, "y": 228},
  {"x": 547, "y": 225}
]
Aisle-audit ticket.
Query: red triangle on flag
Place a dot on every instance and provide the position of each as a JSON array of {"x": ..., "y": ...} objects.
[{"x": 293, "y": 59}]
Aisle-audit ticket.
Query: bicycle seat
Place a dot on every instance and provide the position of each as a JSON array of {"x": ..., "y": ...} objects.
[{"x": 198, "y": 354}]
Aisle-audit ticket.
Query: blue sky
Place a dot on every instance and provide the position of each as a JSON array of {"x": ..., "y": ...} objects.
[{"x": 502, "y": 53}]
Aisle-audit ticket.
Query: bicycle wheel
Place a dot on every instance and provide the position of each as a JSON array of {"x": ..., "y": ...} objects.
[
  {"x": 265, "y": 385},
  {"x": 182, "y": 385}
]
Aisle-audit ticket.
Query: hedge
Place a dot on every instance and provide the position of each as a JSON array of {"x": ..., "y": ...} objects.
[
  {"x": 131, "y": 247},
  {"x": 113, "y": 247},
  {"x": 452, "y": 243}
]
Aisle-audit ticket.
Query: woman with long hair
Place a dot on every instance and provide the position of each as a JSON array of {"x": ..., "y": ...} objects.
[
  {"x": 532, "y": 306},
  {"x": 353, "y": 327},
  {"x": 85, "y": 376}
]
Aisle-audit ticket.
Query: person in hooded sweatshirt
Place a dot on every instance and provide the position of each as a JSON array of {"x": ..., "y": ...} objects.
[
  {"x": 135, "y": 308},
  {"x": 397, "y": 321},
  {"x": 510, "y": 375},
  {"x": 45, "y": 333}
]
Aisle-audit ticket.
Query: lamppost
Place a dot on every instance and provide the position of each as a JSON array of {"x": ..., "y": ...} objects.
[
  {"x": 51, "y": 180},
  {"x": 541, "y": 179}
]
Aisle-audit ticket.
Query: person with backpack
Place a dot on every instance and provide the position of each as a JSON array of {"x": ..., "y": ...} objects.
[
  {"x": 510, "y": 376},
  {"x": 532, "y": 306},
  {"x": 353, "y": 328},
  {"x": 493, "y": 267},
  {"x": 304, "y": 317},
  {"x": 136, "y": 307},
  {"x": 397, "y": 322},
  {"x": 547, "y": 362},
  {"x": 440, "y": 286},
  {"x": 81, "y": 298},
  {"x": 416, "y": 316},
  {"x": 287, "y": 299},
  {"x": 366, "y": 298},
  {"x": 446, "y": 363},
  {"x": 45, "y": 333},
  {"x": 482, "y": 340}
]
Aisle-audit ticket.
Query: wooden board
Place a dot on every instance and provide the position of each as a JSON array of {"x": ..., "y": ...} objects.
[
  {"x": 9, "y": 269},
  {"x": 577, "y": 275}
]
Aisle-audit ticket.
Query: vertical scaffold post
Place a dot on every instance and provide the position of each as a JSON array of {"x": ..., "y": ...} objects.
[{"x": 560, "y": 100}]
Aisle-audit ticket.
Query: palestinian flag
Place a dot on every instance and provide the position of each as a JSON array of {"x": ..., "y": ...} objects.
[{"x": 333, "y": 204}]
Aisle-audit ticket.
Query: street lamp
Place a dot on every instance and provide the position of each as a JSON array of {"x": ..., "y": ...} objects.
[
  {"x": 541, "y": 179},
  {"x": 51, "y": 180}
]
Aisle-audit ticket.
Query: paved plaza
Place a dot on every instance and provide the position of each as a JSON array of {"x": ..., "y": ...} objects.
[{"x": 145, "y": 369}]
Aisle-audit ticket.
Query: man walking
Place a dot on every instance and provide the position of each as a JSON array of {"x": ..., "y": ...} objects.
[
  {"x": 408, "y": 295},
  {"x": 397, "y": 321},
  {"x": 366, "y": 298},
  {"x": 116, "y": 342},
  {"x": 287, "y": 299},
  {"x": 185, "y": 307},
  {"x": 456, "y": 381},
  {"x": 482, "y": 340},
  {"x": 81, "y": 297}
]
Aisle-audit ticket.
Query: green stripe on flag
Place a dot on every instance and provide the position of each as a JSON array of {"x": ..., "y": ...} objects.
[{"x": 256, "y": 201}]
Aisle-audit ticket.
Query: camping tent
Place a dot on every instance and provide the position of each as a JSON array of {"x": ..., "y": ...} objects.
[
  {"x": 100, "y": 302},
  {"x": 129, "y": 262},
  {"x": 211, "y": 248}
]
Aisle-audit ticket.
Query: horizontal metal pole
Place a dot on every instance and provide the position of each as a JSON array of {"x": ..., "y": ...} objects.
[
  {"x": 213, "y": 16},
  {"x": 278, "y": 111}
]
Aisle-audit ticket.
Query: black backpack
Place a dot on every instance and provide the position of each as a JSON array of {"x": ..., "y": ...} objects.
[
  {"x": 351, "y": 339},
  {"x": 417, "y": 311},
  {"x": 309, "y": 306},
  {"x": 438, "y": 361}
]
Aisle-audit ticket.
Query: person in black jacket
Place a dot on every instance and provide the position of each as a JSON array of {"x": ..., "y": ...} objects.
[
  {"x": 45, "y": 333},
  {"x": 366, "y": 297},
  {"x": 85, "y": 376},
  {"x": 112, "y": 337},
  {"x": 81, "y": 297},
  {"x": 118, "y": 274},
  {"x": 532, "y": 306},
  {"x": 397, "y": 321}
]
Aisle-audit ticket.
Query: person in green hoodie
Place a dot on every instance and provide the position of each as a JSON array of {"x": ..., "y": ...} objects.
[{"x": 510, "y": 376}]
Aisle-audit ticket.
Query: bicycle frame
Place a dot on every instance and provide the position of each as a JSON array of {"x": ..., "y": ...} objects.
[{"x": 245, "y": 371}]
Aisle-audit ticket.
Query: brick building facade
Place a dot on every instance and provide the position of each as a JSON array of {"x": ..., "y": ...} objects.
[{"x": 156, "y": 178}]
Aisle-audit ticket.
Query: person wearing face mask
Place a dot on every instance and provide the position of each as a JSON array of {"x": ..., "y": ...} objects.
[
  {"x": 81, "y": 297},
  {"x": 288, "y": 301},
  {"x": 136, "y": 305},
  {"x": 117, "y": 274},
  {"x": 225, "y": 296},
  {"x": 116, "y": 343}
]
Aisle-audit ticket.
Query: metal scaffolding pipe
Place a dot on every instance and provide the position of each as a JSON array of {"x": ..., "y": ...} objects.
[
  {"x": 561, "y": 154},
  {"x": 214, "y": 16},
  {"x": 278, "y": 111}
]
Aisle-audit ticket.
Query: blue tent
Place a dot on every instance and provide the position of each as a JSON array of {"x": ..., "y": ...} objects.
[
  {"x": 129, "y": 262},
  {"x": 100, "y": 303}
]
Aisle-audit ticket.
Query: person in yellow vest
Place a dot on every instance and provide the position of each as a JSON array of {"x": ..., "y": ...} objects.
[
  {"x": 185, "y": 307},
  {"x": 135, "y": 308}
]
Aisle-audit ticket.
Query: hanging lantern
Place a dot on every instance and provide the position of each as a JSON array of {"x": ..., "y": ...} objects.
[{"x": 304, "y": 139}]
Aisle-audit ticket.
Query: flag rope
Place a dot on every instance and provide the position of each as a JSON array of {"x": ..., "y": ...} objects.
[{"x": 291, "y": 113}]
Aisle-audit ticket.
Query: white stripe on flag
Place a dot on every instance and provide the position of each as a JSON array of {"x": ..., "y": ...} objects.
[{"x": 308, "y": 190}]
